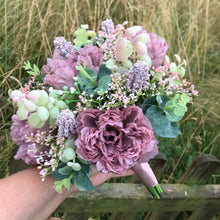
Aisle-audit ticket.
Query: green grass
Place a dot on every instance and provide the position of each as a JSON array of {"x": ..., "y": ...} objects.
[{"x": 191, "y": 28}]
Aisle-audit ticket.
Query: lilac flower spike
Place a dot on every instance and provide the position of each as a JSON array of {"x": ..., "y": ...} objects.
[
  {"x": 107, "y": 26},
  {"x": 66, "y": 123},
  {"x": 63, "y": 47},
  {"x": 137, "y": 77}
]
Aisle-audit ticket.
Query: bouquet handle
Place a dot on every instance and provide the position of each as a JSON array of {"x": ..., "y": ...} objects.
[{"x": 146, "y": 174}]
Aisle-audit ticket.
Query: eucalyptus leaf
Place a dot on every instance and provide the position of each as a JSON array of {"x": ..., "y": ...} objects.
[
  {"x": 171, "y": 116},
  {"x": 85, "y": 181},
  {"x": 179, "y": 111},
  {"x": 103, "y": 71},
  {"x": 104, "y": 83},
  {"x": 56, "y": 175},
  {"x": 148, "y": 102},
  {"x": 161, "y": 125},
  {"x": 82, "y": 182},
  {"x": 65, "y": 170},
  {"x": 185, "y": 98},
  {"x": 86, "y": 169},
  {"x": 87, "y": 82}
]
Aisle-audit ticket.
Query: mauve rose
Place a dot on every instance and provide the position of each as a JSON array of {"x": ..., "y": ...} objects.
[
  {"x": 156, "y": 48},
  {"x": 92, "y": 55},
  {"x": 25, "y": 153},
  {"x": 60, "y": 71},
  {"x": 114, "y": 139},
  {"x": 19, "y": 131}
]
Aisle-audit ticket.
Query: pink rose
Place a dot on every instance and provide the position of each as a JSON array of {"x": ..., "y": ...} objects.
[
  {"x": 114, "y": 139},
  {"x": 92, "y": 55},
  {"x": 156, "y": 49},
  {"x": 20, "y": 130},
  {"x": 60, "y": 72}
]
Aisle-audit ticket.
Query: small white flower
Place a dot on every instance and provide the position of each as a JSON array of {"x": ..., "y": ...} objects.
[
  {"x": 52, "y": 100},
  {"x": 72, "y": 90},
  {"x": 60, "y": 92},
  {"x": 84, "y": 26},
  {"x": 50, "y": 89}
]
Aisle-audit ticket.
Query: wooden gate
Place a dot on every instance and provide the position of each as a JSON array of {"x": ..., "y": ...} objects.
[{"x": 125, "y": 200}]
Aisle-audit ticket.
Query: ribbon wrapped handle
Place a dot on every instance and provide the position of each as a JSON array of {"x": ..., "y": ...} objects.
[{"x": 146, "y": 174}]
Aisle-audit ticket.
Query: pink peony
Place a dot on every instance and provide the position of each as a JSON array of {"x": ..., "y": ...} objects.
[
  {"x": 115, "y": 139},
  {"x": 156, "y": 48},
  {"x": 92, "y": 55}
]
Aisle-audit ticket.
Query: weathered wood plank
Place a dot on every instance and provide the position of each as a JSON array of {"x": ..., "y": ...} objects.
[
  {"x": 200, "y": 170},
  {"x": 120, "y": 197},
  {"x": 124, "y": 216},
  {"x": 158, "y": 164},
  {"x": 206, "y": 212},
  {"x": 76, "y": 216}
]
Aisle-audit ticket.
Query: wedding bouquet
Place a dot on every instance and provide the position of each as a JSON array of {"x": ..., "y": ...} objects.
[{"x": 100, "y": 101}]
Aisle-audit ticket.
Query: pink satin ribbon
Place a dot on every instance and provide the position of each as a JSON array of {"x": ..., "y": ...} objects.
[{"x": 146, "y": 174}]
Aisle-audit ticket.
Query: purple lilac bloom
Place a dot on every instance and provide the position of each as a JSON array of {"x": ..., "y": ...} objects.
[
  {"x": 66, "y": 123},
  {"x": 156, "y": 48},
  {"x": 107, "y": 26},
  {"x": 63, "y": 47},
  {"x": 137, "y": 77},
  {"x": 115, "y": 139}
]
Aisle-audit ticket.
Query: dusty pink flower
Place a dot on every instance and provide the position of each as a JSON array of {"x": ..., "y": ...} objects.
[
  {"x": 92, "y": 55},
  {"x": 25, "y": 152},
  {"x": 60, "y": 72},
  {"x": 20, "y": 130},
  {"x": 114, "y": 139},
  {"x": 156, "y": 48}
]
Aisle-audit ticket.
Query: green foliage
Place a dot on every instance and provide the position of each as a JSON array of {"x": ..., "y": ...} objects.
[
  {"x": 81, "y": 38},
  {"x": 65, "y": 170},
  {"x": 31, "y": 70},
  {"x": 66, "y": 175},
  {"x": 154, "y": 109},
  {"x": 103, "y": 71},
  {"x": 62, "y": 183},
  {"x": 82, "y": 182},
  {"x": 87, "y": 79},
  {"x": 191, "y": 34},
  {"x": 161, "y": 125},
  {"x": 59, "y": 175}
]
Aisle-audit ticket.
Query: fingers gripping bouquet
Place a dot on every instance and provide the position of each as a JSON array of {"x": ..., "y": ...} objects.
[{"x": 100, "y": 101}]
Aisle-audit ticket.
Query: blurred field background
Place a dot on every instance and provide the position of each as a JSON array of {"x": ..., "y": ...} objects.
[{"x": 191, "y": 28}]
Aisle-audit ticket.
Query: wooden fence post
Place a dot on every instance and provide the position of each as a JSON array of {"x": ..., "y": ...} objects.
[{"x": 198, "y": 173}]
